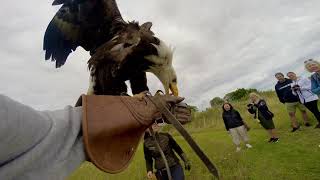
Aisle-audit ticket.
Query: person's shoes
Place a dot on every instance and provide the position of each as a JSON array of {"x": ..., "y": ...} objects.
[
  {"x": 275, "y": 140},
  {"x": 307, "y": 124},
  {"x": 317, "y": 126},
  {"x": 271, "y": 139},
  {"x": 295, "y": 128},
  {"x": 248, "y": 146},
  {"x": 238, "y": 149}
]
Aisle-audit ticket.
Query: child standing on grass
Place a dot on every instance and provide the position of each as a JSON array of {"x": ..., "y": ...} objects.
[
  {"x": 259, "y": 108},
  {"x": 235, "y": 126}
]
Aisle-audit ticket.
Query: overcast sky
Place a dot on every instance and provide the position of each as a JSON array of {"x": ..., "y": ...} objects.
[{"x": 221, "y": 45}]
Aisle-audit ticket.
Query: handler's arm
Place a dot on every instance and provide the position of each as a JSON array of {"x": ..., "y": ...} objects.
[{"x": 39, "y": 144}]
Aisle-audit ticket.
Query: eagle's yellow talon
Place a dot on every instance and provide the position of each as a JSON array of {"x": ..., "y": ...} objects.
[{"x": 140, "y": 96}]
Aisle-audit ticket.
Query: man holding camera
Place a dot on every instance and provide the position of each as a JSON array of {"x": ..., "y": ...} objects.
[
  {"x": 302, "y": 88},
  {"x": 285, "y": 95}
]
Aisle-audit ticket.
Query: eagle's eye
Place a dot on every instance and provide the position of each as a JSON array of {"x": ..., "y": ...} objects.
[
  {"x": 157, "y": 41},
  {"x": 174, "y": 80}
]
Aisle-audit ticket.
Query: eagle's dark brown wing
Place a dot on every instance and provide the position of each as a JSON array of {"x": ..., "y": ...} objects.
[{"x": 85, "y": 23}]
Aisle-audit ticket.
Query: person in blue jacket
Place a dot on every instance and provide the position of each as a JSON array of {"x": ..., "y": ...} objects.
[{"x": 314, "y": 67}]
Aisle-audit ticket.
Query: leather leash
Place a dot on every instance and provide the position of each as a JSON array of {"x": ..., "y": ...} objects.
[
  {"x": 155, "y": 137},
  {"x": 172, "y": 119}
]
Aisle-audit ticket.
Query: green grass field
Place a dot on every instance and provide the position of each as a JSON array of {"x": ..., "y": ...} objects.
[{"x": 295, "y": 156}]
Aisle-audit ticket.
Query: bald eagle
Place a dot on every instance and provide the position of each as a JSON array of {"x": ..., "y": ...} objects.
[{"x": 119, "y": 50}]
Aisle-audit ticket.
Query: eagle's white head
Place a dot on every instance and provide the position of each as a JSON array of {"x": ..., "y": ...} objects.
[{"x": 162, "y": 67}]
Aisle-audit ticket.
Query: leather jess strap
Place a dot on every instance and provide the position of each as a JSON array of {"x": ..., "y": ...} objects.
[
  {"x": 156, "y": 139},
  {"x": 172, "y": 119}
]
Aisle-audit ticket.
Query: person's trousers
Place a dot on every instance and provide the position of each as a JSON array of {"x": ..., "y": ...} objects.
[
  {"x": 239, "y": 133},
  {"x": 176, "y": 173},
  {"x": 313, "y": 107}
]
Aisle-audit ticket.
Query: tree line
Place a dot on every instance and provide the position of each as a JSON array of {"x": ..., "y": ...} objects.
[{"x": 238, "y": 94}]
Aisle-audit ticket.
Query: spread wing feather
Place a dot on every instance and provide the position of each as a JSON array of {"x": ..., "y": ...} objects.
[{"x": 85, "y": 23}]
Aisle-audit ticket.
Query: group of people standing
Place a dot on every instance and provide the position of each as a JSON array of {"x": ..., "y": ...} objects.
[
  {"x": 234, "y": 124},
  {"x": 300, "y": 92},
  {"x": 294, "y": 91},
  {"x": 238, "y": 128}
]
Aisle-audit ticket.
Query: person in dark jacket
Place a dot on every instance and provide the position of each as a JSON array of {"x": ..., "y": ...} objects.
[
  {"x": 259, "y": 108},
  {"x": 235, "y": 125},
  {"x": 153, "y": 156},
  {"x": 285, "y": 95}
]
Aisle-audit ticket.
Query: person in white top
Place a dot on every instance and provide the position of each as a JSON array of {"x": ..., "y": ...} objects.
[{"x": 302, "y": 88}]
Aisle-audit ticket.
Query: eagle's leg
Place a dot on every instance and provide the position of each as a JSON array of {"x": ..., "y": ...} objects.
[
  {"x": 138, "y": 83},
  {"x": 141, "y": 95},
  {"x": 89, "y": 92},
  {"x": 91, "y": 85}
]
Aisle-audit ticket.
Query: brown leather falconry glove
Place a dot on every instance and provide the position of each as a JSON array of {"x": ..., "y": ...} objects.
[
  {"x": 182, "y": 112},
  {"x": 174, "y": 104},
  {"x": 113, "y": 125}
]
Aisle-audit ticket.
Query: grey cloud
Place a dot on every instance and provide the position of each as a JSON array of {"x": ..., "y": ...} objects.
[{"x": 220, "y": 46}]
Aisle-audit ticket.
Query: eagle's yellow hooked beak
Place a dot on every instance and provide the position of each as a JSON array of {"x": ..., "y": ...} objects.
[{"x": 174, "y": 88}]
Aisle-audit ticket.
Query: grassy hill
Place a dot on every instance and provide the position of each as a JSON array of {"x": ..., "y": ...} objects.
[{"x": 295, "y": 156}]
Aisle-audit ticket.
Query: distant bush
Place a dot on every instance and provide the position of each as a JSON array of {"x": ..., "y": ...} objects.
[
  {"x": 193, "y": 108},
  {"x": 238, "y": 94},
  {"x": 217, "y": 101}
]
